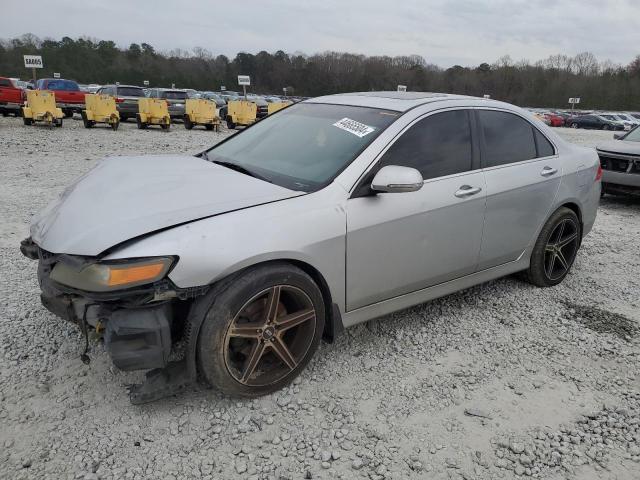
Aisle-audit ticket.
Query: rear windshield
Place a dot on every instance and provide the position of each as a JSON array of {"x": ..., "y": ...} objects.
[
  {"x": 68, "y": 85},
  {"x": 173, "y": 95},
  {"x": 306, "y": 145},
  {"x": 130, "y": 92}
]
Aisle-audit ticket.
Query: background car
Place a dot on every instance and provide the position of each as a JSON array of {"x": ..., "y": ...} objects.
[
  {"x": 126, "y": 98},
  {"x": 230, "y": 95},
  {"x": 175, "y": 99},
  {"x": 221, "y": 104},
  {"x": 69, "y": 97},
  {"x": 620, "y": 162},
  {"x": 11, "y": 97},
  {"x": 593, "y": 121}
]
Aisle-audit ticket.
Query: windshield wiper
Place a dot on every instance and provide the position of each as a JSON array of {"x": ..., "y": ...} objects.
[{"x": 241, "y": 169}]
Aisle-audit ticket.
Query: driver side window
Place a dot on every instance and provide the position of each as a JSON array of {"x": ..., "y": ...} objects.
[{"x": 436, "y": 146}]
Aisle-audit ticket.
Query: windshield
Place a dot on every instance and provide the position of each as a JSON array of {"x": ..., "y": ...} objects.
[
  {"x": 633, "y": 135},
  {"x": 306, "y": 145},
  {"x": 67, "y": 85}
]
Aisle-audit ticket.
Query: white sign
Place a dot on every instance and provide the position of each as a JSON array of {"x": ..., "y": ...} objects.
[
  {"x": 402, "y": 88},
  {"x": 56, "y": 75},
  {"x": 145, "y": 83},
  {"x": 222, "y": 88},
  {"x": 352, "y": 126},
  {"x": 117, "y": 84},
  {"x": 244, "y": 80},
  {"x": 574, "y": 100},
  {"x": 32, "y": 61},
  {"x": 486, "y": 95}
]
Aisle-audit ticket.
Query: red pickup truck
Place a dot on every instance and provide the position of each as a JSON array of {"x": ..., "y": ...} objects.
[
  {"x": 69, "y": 97},
  {"x": 11, "y": 97}
]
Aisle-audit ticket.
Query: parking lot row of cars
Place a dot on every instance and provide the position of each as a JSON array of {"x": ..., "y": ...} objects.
[
  {"x": 70, "y": 97},
  {"x": 589, "y": 119}
]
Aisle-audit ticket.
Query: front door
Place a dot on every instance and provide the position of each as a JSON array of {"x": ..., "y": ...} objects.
[{"x": 398, "y": 243}]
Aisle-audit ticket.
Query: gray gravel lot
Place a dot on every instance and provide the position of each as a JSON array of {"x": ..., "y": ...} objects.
[{"x": 503, "y": 380}]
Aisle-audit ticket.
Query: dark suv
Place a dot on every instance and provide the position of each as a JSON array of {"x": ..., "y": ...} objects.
[
  {"x": 175, "y": 99},
  {"x": 126, "y": 98}
]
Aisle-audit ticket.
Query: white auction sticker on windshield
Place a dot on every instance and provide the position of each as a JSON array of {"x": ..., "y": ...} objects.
[{"x": 351, "y": 126}]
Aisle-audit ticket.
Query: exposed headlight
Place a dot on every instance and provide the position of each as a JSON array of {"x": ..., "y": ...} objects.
[{"x": 111, "y": 275}]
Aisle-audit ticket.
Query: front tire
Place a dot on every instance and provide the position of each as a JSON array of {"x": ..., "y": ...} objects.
[
  {"x": 555, "y": 249},
  {"x": 261, "y": 331},
  {"x": 140, "y": 123},
  {"x": 574, "y": 125}
]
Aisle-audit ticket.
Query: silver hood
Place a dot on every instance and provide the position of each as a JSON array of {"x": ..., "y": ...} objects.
[
  {"x": 620, "y": 146},
  {"x": 125, "y": 197}
]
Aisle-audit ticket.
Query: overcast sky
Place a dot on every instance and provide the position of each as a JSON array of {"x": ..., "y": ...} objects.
[{"x": 445, "y": 32}]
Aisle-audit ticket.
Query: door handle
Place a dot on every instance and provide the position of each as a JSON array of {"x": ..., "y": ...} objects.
[
  {"x": 467, "y": 191},
  {"x": 548, "y": 171}
]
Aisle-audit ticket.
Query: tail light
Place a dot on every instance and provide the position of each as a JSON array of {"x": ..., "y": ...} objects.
[
  {"x": 598, "y": 173},
  {"x": 119, "y": 100}
]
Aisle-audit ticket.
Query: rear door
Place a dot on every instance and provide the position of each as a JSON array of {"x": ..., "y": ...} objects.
[
  {"x": 398, "y": 243},
  {"x": 522, "y": 173}
]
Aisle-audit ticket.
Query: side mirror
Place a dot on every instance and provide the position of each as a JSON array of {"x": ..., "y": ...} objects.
[
  {"x": 618, "y": 136},
  {"x": 396, "y": 179}
]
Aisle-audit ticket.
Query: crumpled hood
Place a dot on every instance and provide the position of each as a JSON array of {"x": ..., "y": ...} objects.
[
  {"x": 620, "y": 146},
  {"x": 125, "y": 197}
]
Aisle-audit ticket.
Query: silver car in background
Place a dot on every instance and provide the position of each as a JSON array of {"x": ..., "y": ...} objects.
[
  {"x": 326, "y": 214},
  {"x": 620, "y": 161}
]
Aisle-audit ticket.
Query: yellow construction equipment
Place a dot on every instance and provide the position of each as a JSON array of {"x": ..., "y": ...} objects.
[
  {"x": 198, "y": 111},
  {"x": 153, "y": 111},
  {"x": 275, "y": 106},
  {"x": 100, "y": 109},
  {"x": 241, "y": 112},
  {"x": 41, "y": 107}
]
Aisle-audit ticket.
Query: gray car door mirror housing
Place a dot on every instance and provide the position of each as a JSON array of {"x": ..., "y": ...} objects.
[{"x": 397, "y": 179}]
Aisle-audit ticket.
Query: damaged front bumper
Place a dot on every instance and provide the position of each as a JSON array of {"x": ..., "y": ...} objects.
[{"x": 139, "y": 325}]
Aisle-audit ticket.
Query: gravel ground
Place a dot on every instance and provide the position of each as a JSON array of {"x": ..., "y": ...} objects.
[{"x": 503, "y": 380}]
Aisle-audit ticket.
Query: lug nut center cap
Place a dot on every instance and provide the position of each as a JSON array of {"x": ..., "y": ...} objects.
[{"x": 268, "y": 333}]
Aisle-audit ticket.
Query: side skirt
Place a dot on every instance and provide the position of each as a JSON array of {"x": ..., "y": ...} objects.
[{"x": 421, "y": 296}]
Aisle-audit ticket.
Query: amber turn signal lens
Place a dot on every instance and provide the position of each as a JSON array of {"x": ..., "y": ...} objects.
[{"x": 132, "y": 274}]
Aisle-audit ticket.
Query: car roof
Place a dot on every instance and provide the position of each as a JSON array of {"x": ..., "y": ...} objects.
[
  {"x": 114, "y": 85},
  {"x": 392, "y": 100}
]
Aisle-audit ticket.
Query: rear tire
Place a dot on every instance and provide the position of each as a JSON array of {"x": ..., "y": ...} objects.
[
  {"x": 58, "y": 122},
  {"x": 115, "y": 125},
  {"x": 87, "y": 123},
  {"x": 555, "y": 249},
  {"x": 141, "y": 124},
  {"x": 187, "y": 122},
  {"x": 224, "y": 358},
  {"x": 27, "y": 121}
]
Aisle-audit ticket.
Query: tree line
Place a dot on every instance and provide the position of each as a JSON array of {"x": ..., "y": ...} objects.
[{"x": 544, "y": 83}]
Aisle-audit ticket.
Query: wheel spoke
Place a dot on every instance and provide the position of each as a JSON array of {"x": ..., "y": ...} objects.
[
  {"x": 282, "y": 351},
  {"x": 560, "y": 230},
  {"x": 246, "y": 330},
  {"x": 550, "y": 248},
  {"x": 273, "y": 299},
  {"x": 252, "y": 360},
  {"x": 562, "y": 260},
  {"x": 295, "y": 319},
  {"x": 566, "y": 241}
]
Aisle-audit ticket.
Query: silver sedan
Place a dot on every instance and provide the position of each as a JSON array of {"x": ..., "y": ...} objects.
[{"x": 326, "y": 214}]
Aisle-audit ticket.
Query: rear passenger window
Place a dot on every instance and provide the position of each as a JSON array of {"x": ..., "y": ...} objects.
[
  {"x": 438, "y": 145},
  {"x": 545, "y": 149},
  {"x": 5, "y": 83},
  {"x": 507, "y": 138}
]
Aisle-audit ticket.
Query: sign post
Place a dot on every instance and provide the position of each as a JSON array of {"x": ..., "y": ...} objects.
[
  {"x": 33, "y": 62},
  {"x": 573, "y": 101},
  {"x": 244, "y": 80}
]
